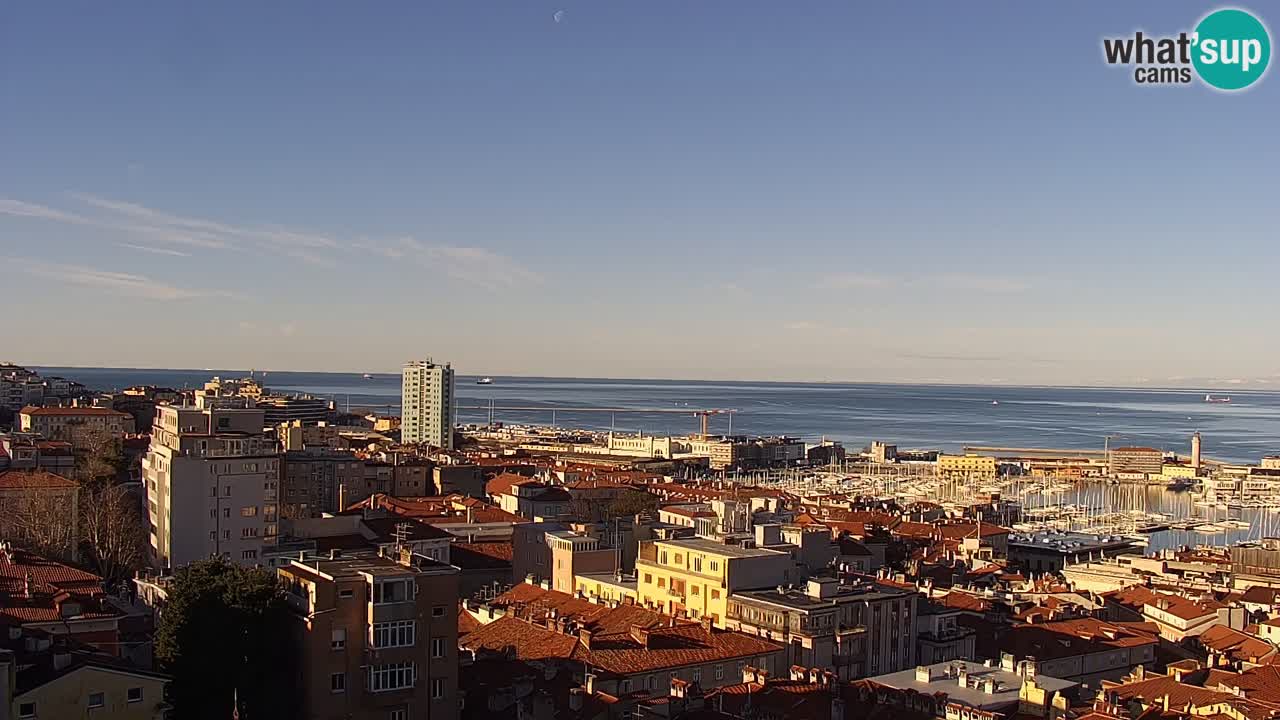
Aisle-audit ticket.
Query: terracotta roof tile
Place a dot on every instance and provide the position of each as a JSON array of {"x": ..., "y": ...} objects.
[{"x": 22, "y": 479}]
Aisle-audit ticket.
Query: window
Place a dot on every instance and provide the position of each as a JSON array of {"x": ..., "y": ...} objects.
[
  {"x": 715, "y": 565},
  {"x": 226, "y": 512},
  {"x": 719, "y": 672},
  {"x": 437, "y": 611},
  {"x": 697, "y": 564},
  {"x": 437, "y": 647},
  {"x": 97, "y": 700},
  {"x": 249, "y": 532},
  {"x": 134, "y": 695},
  {"x": 697, "y": 675},
  {"x": 392, "y": 676},
  {"x": 251, "y": 511},
  {"x": 693, "y": 589},
  {"x": 26, "y": 710},
  {"x": 715, "y": 594},
  {"x": 344, "y": 594},
  {"x": 391, "y": 591},
  {"x": 399, "y": 714},
  {"x": 337, "y": 682},
  {"x": 338, "y": 639},
  {"x": 394, "y": 634},
  {"x": 437, "y": 688},
  {"x": 226, "y": 534},
  {"x": 648, "y": 579},
  {"x": 249, "y": 555},
  {"x": 626, "y": 686}
]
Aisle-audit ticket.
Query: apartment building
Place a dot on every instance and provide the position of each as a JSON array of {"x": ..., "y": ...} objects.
[
  {"x": 76, "y": 425},
  {"x": 1138, "y": 460},
  {"x": 694, "y": 576},
  {"x": 426, "y": 404},
  {"x": 212, "y": 480},
  {"x": 377, "y": 636},
  {"x": 851, "y": 629},
  {"x": 574, "y": 553}
]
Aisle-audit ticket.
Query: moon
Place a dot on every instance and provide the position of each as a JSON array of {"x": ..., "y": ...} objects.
[{"x": 558, "y": 16}]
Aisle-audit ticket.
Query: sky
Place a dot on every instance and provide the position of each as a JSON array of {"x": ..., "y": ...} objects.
[{"x": 906, "y": 191}]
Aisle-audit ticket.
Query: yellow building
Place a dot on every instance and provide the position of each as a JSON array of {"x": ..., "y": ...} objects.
[
  {"x": 86, "y": 687},
  {"x": 606, "y": 587},
  {"x": 966, "y": 467},
  {"x": 695, "y": 575},
  {"x": 1175, "y": 470}
]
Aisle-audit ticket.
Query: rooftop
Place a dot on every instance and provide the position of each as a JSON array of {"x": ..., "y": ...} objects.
[
  {"x": 23, "y": 479},
  {"x": 944, "y": 677},
  {"x": 717, "y": 548}
]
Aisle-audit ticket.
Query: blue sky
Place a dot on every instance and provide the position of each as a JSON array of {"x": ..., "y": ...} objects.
[{"x": 893, "y": 191}]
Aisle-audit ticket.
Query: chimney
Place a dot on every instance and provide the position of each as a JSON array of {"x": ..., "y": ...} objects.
[
  {"x": 591, "y": 683},
  {"x": 923, "y": 674},
  {"x": 1006, "y": 662},
  {"x": 334, "y": 553},
  {"x": 798, "y": 672},
  {"x": 584, "y": 636}
]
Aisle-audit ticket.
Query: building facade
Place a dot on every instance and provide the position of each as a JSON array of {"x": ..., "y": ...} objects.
[
  {"x": 426, "y": 404},
  {"x": 694, "y": 576},
  {"x": 378, "y": 637},
  {"x": 212, "y": 481}
]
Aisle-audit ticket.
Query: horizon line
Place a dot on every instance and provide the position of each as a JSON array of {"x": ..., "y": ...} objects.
[{"x": 940, "y": 383}]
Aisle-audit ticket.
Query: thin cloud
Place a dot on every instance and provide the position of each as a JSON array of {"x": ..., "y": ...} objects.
[
  {"x": 19, "y": 208},
  {"x": 154, "y": 250},
  {"x": 118, "y": 283},
  {"x": 992, "y": 284},
  {"x": 473, "y": 265}
]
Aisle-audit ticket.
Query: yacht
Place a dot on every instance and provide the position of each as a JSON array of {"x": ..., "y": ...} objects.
[{"x": 485, "y": 381}]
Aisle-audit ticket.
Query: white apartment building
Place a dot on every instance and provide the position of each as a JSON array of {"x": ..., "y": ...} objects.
[
  {"x": 426, "y": 404},
  {"x": 212, "y": 485}
]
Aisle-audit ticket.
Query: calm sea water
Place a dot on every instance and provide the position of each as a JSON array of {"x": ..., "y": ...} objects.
[{"x": 947, "y": 417}]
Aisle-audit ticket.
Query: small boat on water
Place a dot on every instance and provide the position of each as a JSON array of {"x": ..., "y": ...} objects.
[
  {"x": 995, "y": 402},
  {"x": 367, "y": 376},
  {"x": 1211, "y": 398},
  {"x": 485, "y": 381}
]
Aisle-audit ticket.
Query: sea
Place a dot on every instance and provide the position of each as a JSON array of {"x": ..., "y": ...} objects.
[{"x": 943, "y": 417}]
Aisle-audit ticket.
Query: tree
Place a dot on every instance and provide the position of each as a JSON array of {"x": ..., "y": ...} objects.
[
  {"x": 113, "y": 530},
  {"x": 224, "y": 633},
  {"x": 43, "y": 523},
  {"x": 98, "y": 455}
]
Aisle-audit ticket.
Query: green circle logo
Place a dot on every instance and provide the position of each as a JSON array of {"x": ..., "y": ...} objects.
[{"x": 1232, "y": 49}]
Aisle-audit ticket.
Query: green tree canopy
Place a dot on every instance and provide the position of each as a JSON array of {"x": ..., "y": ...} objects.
[{"x": 224, "y": 633}]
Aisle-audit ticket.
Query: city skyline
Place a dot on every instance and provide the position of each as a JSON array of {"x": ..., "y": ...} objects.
[{"x": 573, "y": 191}]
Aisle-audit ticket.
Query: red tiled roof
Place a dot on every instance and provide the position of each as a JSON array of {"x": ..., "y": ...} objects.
[
  {"x": 23, "y": 479},
  {"x": 1184, "y": 608},
  {"x": 1235, "y": 644},
  {"x": 502, "y": 483},
  {"x": 48, "y": 579},
  {"x": 964, "y": 601},
  {"x": 481, "y": 555},
  {"x": 625, "y": 640}
]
